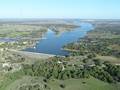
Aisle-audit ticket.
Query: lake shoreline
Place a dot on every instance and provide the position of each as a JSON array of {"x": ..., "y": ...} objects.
[{"x": 54, "y": 43}]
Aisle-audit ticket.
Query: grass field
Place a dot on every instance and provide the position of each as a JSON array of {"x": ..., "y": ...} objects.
[
  {"x": 83, "y": 84},
  {"x": 70, "y": 84},
  {"x": 111, "y": 59}
]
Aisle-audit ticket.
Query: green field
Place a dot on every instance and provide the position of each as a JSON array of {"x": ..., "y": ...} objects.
[{"x": 71, "y": 84}]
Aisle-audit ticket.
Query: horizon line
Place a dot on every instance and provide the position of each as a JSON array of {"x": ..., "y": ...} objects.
[{"x": 63, "y": 18}]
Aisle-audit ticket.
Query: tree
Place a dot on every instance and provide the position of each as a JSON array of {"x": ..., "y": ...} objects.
[
  {"x": 97, "y": 62},
  {"x": 62, "y": 85}
]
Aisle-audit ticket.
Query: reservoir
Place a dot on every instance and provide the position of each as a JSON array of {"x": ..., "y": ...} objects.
[{"x": 53, "y": 43}]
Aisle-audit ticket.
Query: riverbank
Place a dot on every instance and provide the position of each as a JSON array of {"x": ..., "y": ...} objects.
[
  {"x": 30, "y": 33},
  {"x": 69, "y": 50},
  {"x": 102, "y": 41},
  {"x": 26, "y": 36},
  {"x": 31, "y": 55}
]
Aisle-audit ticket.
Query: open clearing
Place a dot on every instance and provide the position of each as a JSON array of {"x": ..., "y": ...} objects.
[
  {"x": 71, "y": 84},
  {"x": 111, "y": 59}
]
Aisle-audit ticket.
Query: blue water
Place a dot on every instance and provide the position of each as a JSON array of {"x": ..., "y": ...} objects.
[
  {"x": 7, "y": 40},
  {"x": 53, "y": 43}
]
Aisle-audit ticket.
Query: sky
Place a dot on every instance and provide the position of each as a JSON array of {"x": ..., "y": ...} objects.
[{"x": 83, "y": 9}]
